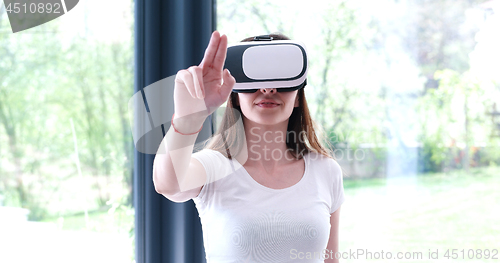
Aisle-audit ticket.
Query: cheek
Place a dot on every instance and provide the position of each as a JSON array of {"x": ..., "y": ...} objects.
[
  {"x": 239, "y": 99},
  {"x": 293, "y": 99}
]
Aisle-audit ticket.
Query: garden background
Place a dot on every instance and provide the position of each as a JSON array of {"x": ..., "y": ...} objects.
[{"x": 408, "y": 92}]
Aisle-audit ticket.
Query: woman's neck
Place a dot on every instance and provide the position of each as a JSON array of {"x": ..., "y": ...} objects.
[{"x": 266, "y": 144}]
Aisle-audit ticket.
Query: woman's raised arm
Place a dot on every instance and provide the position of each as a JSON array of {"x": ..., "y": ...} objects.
[{"x": 199, "y": 91}]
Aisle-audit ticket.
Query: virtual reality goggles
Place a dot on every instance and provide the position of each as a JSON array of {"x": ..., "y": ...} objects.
[{"x": 267, "y": 63}]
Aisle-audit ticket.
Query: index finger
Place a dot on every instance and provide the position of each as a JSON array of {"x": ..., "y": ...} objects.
[
  {"x": 211, "y": 50},
  {"x": 220, "y": 56}
]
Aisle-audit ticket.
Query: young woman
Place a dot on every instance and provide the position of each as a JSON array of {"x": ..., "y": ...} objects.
[{"x": 266, "y": 188}]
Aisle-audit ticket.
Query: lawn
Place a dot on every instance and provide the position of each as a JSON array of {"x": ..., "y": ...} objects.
[
  {"x": 104, "y": 236},
  {"x": 409, "y": 214},
  {"x": 423, "y": 213}
]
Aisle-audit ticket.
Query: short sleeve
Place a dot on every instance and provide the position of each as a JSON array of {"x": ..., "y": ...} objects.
[
  {"x": 337, "y": 186},
  {"x": 207, "y": 159},
  {"x": 217, "y": 166}
]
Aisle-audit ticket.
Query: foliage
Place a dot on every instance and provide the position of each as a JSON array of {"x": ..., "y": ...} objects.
[
  {"x": 453, "y": 117},
  {"x": 439, "y": 36},
  {"x": 22, "y": 122},
  {"x": 394, "y": 78},
  {"x": 491, "y": 154},
  {"x": 336, "y": 39},
  {"x": 48, "y": 78}
]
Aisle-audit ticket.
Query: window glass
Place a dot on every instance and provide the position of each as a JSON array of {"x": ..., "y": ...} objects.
[
  {"x": 65, "y": 144},
  {"x": 408, "y": 92}
]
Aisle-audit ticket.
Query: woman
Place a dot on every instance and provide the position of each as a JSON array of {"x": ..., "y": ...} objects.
[{"x": 266, "y": 188}]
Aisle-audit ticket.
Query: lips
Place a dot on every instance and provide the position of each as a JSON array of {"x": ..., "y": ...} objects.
[
  {"x": 268, "y": 102},
  {"x": 264, "y": 105}
]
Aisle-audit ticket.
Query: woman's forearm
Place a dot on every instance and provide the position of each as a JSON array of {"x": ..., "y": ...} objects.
[{"x": 172, "y": 160}]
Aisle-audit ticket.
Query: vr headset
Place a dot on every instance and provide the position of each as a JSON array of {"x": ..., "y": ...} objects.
[{"x": 267, "y": 63}]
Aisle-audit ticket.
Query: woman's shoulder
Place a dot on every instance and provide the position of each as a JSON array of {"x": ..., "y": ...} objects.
[
  {"x": 208, "y": 152},
  {"x": 318, "y": 156},
  {"x": 323, "y": 161},
  {"x": 213, "y": 156}
]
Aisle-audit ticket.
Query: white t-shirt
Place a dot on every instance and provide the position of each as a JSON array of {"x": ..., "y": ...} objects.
[{"x": 244, "y": 221}]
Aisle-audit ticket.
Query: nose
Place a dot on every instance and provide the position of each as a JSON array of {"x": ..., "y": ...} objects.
[{"x": 268, "y": 90}]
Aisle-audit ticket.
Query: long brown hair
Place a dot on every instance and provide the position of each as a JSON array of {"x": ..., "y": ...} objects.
[{"x": 227, "y": 141}]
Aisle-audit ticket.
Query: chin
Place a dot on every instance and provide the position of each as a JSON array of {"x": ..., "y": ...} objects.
[{"x": 266, "y": 120}]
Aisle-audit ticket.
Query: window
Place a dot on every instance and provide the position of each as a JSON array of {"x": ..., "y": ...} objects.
[
  {"x": 66, "y": 152},
  {"x": 409, "y": 94}
]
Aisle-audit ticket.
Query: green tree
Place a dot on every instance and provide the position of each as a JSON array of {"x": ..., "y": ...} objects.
[
  {"x": 24, "y": 71},
  {"x": 454, "y": 116},
  {"x": 44, "y": 85},
  {"x": 440, "y": 37}
]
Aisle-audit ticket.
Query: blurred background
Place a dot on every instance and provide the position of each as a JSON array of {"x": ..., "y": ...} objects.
[
  {"x": 408, "y": 92},
  {"x": 66, "y": 151}
]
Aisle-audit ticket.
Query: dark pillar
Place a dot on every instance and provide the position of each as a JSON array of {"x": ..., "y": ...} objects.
[{"x": 169, "y": 35}]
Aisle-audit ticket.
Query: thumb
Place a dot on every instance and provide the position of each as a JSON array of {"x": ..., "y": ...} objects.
[{"x": 227, "y": 85}]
